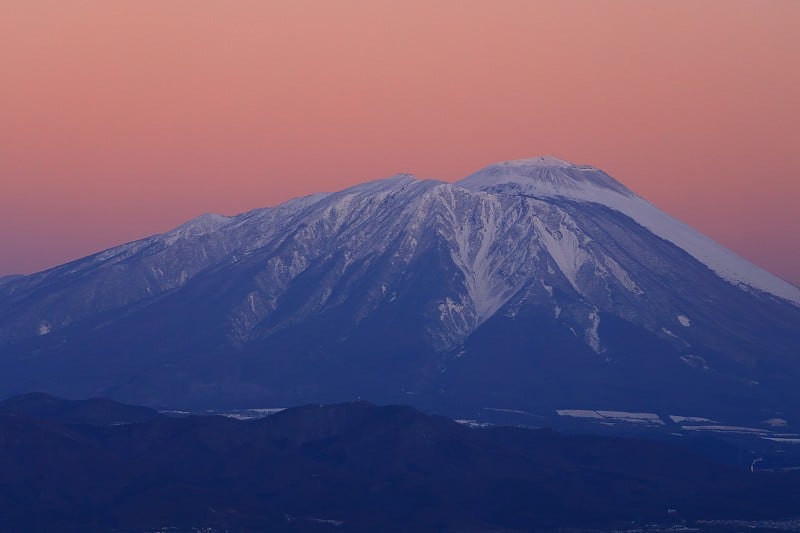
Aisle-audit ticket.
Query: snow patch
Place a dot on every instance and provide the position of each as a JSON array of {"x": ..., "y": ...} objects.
[
  {"x": 579, "y": 413},
  {"x": 619, "y": 273},
  {"x": 695, "y": 361},
  {"x": 627, "y": 416},
  {"x": 501, "y": 410},
  {"x": 450, "y": 308},
  {"x": 670, "y": 333},
  {"x": 564, "y": 246},
  {"x": 246, "y": 414},
  {"x": 678, "y": 419},
  {"x": 592, "y": 334},
  {"x": 613, "y": 416},
  {"x": 471, "y": 423},
  {"x": 725, "y": 429},
  {"x": 455, "y": 317},
  {"x": 556, "y": 308}
]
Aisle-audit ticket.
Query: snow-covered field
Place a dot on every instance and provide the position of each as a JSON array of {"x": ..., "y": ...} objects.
[
  {"x": 238, "y": 414},
  {"x": 693, "y": 424},
  {"x": 614, "y": 416}
]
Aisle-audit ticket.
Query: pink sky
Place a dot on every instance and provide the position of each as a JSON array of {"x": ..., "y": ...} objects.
[{"x": 123, "y": 119}]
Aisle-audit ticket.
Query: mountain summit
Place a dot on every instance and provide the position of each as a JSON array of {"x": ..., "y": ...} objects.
[
  {"x": 529, "y": 284},
  {"x": 543, "y": 177}
]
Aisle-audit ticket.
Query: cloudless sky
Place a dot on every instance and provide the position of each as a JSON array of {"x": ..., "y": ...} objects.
[{"x": 125, "y": 118}]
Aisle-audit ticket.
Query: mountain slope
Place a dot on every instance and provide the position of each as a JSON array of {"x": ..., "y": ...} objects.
[
  {"x": 547, "y": 177},
  {"x": 94, "y": 411},
  {"x": 529, "y": 284}
]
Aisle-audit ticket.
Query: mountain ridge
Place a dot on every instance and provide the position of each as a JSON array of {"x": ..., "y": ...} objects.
[
  {"x": 499, "y": 174},
  {"x": 355, "y": 466}
]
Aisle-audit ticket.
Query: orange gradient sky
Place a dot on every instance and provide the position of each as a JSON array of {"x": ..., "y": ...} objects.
[{"x": 122, "y": 119}]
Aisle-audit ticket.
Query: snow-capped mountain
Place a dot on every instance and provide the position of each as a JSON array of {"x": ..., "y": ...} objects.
[
  {"x": 529, "y": 283},
  {"x": 547, "y": 177}
]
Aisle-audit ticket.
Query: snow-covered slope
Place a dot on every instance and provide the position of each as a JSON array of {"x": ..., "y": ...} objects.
[{"x": 548, "y": 177}]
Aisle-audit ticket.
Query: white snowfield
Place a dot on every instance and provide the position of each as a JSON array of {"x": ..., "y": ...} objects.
[
  {"x": 696, "y": 424},
  {"x": 613, "y": 416},
  {"x": 547, "y": 177},
  {"x": 691, "y": 419},
  {"x": 726, "y": 429}
]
